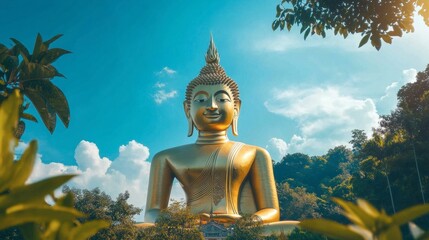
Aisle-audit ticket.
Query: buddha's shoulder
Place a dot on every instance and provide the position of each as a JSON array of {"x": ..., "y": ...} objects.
[
  {"x": 256, "y": 149},
  {"x": 167, "y": 153}
]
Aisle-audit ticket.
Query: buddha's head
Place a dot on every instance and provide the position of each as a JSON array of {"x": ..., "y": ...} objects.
[{"x": 212, "y": 101}]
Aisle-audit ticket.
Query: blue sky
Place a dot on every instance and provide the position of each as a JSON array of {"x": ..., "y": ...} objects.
[{"x": 132, "y": 60}]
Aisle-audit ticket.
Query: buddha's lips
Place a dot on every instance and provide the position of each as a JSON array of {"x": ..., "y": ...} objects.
[{"x": 211, "y": 115}]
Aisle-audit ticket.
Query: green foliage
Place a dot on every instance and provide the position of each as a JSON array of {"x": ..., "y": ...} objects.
[
  {"x": 23, "y": 205},
  {"x": 301, "y": 234},
  {"x": 176, "y": 222},
  {"x": 366, "y": 222},
  {"x": 98, "y": 205},
  {"x": 32, "y": 73},
  {"x": 376, "y": 21},
  {"x": 296, "y": 203},
  {"x": 246, "y": 228}
]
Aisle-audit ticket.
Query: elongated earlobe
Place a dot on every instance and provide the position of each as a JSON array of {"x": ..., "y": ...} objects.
[
  {"x": 234, "y": 126},
  {"x": 188, "y": 116},
  {"x": 190, "y": 127}
]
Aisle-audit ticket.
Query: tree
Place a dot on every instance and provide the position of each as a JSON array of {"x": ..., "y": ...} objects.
[
  {"x": 98, "y": 205},
  {"x": 374, "y": 20},
  {"x": 32, "y": 75},
  {"x": 175, "y": 222},
  {"x": 246, "y": 228},
  {"x": 296, "y": 203}
]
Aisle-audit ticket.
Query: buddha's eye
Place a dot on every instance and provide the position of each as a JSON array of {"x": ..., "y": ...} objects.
[
  {"x": 223, "y": 100},
  {"x": 200, "y": 98}
]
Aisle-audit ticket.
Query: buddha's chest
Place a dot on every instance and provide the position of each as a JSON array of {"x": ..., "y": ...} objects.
[{"x": 216, "y": 165}]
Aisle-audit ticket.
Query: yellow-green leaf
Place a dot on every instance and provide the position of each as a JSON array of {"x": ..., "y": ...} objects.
[
  {"x": 23, "y": 168},
  {"x": 368, "y": 208},
  {"x": 410, "y": 214},
  {"x": 330, "y": 229},
  {"x": 356, "y": 214},
  {"x": 34, "y": 191},
  {"x": 30, "y": 213},
  {"x": 392, "y": 233},
  {"x": 9, "y": 110},
  {"x": 86, "y": 230}
]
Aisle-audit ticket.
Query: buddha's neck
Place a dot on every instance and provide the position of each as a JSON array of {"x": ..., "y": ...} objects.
[{"x": 212, "y": 137}]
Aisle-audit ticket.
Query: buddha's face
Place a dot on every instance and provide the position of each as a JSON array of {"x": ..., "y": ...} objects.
[{"x": 212, "y": 107}]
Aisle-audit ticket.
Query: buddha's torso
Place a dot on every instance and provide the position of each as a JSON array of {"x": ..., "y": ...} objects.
[{"x": 212, "y": 174}]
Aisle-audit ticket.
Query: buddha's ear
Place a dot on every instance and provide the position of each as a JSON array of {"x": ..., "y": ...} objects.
[
  {"x": 188, "y": 116},
  {"x": 235, "y": 118}
]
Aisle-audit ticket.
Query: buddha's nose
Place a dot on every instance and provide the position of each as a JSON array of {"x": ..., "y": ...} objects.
[{"x": 212, "y": 104}]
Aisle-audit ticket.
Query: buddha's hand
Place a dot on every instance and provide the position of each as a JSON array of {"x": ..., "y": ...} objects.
[{"x": 222, "y": 217}]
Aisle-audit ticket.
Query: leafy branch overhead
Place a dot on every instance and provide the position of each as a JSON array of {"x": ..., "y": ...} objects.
[
  {"x": 32, "y": 73},
  {"x": 376, "y": 21}
]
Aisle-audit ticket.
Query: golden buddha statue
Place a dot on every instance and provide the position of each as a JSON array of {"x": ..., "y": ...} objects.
[{"x": 221, "y": 179}]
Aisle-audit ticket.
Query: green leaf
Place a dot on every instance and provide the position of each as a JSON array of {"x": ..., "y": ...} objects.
[
  {"x": 52, "y": 96},
  {"x": 275, "y": 24},
  {"x": 29, "y": 213},
  {"x": 88, "y": 229},
  {"x": 411, "y": 213},
  {"x": 52, "y": 55},
  {"x": 38, "y": 47},
  {"x": 282, "y": 25},
  {"x": 306, "y": 33},
  {"x": 46, "y": 112},
  {"x": 278, "y": 10},
  {"x": 28, "y": 116},
  {"x": 397, "y": 30},
  {"x": 22, "y": 169},
  {"x": 34, "y": 71},
  {"x": 387, "y": 38},
  {"x": 21, "y": 48},
  {"x": 48, "y": 42},
  {"x": 376, "y": 42},
  {"x": 364, "y": 39},
  {"x": 330, "y": 229},
  {"x": 34, "y": 191}
]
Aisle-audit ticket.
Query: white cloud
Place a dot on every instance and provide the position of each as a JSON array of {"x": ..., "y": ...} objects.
[
  {"x": 277, "y": 148},
  {"x": 389, "y": 100},
  {"x": 162, "y": 96},
  {"x": 325, "y": 116},
  {"x": 129, "y": 171},
  {"x": 166, "y": 71},
  {"x": 159, "y": 85},
  {"x": 409, "y": 75}
]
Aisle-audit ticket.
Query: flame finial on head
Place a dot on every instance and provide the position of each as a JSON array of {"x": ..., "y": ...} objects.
[{"x": 212, "y": 55}]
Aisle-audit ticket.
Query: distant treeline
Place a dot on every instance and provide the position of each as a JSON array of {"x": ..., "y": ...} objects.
[{"x": 389, "y": 169}]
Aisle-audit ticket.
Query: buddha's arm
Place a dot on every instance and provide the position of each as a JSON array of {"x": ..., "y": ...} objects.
[
  {"x": 160, "y": 183},
  {"x": 264, "y": 187}
]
